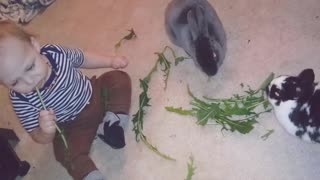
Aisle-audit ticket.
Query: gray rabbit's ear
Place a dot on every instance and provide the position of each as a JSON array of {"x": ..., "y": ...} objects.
[
  {"x": 200, "y": 14},
  {"x": 196, "y": 21},
  {"x": 193, "y": 25}
]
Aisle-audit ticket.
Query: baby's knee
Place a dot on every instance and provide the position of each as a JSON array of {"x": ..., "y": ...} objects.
[
  {"x": 117, "y": 76},
  {"x": 121, "y": 74}
]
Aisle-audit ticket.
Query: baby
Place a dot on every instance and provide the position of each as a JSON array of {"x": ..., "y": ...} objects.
[{"x": 78, "y": 105}]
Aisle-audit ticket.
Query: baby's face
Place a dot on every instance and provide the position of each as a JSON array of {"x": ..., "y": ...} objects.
[{"x": 23, "y": 68}]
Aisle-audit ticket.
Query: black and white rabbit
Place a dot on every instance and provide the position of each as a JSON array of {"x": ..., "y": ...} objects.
[
  {"x": 296, "y": 103},
  {"x": 195, "y": 26}
]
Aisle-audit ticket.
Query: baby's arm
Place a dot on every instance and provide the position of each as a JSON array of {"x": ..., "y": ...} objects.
[
  {"x": 45, "y": 133},
  {"x": 93, "y": 61}
]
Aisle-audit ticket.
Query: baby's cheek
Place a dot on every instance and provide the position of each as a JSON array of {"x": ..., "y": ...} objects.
[
  {"x": 43, "y": 70},
  {"x": 22, "y": 89}
]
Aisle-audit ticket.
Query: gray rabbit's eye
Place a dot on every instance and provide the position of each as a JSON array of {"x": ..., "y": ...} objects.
[
  {"x": 277, "y": 94},
  {"x": 214, "y": 55}
]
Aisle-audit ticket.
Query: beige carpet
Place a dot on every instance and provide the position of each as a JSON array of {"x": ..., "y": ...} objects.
[{"x": 280, "y": 36}]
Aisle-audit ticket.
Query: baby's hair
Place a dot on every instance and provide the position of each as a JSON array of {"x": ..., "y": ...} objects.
[{"x": 10, "y": 29}]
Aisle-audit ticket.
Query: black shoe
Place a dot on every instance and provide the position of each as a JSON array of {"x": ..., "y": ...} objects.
[{"x": 113, "y": 135}]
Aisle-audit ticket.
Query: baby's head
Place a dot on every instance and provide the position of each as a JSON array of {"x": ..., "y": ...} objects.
[{"x": 22, "y": 67}]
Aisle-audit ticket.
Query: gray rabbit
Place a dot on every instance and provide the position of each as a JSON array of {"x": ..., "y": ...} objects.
[{"x": 195, "y": 26}]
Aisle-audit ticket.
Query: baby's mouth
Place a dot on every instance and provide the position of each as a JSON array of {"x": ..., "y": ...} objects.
[{"x": 39, "y": 85}]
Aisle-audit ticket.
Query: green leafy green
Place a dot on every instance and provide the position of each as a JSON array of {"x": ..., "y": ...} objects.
[
  {"x": 269, "y": 132},
  {"x": 130, "y": 36},
  {"x": 179, "y": 60},
  {"x": 191, "y": 168},
  {"x": 266, "y": 82},
  {"x": 166, "y": 64},
  {"x": 163, "y": 61},
  {"x": 105, "y": 97},
  {"x": 144, "y": 99},
  {"x": 180, "y": 111},
  {"x": 138, "y": 118},
  {"x": 237, "y": 113}
]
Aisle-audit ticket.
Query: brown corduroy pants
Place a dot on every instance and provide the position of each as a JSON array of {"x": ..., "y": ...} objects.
[{"x": 111, "y": 92}]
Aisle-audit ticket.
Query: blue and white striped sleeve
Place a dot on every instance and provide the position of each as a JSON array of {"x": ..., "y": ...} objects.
[
  {"x": 27, "y": 114},
  {"x": 74, "y": 55}
]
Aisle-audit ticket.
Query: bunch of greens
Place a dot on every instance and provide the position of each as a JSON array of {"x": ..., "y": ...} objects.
[
  {"x": 130, "y": 36},
  {"x": 237, "y": 113},
  {"x": 191, "y": 168},
  {"x": 144, "y": 99}
]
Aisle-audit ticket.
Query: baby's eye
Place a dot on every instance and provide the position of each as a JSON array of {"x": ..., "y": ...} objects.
[
  {"x": 30, "y": 67},
  {"x": 14, "y": 83}
]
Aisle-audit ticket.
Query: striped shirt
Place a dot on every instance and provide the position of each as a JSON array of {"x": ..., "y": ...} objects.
[{"x": 67, "y": 91}]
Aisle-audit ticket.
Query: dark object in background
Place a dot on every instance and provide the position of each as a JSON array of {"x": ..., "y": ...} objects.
[
  {"x": 195, "y": 26},
  {"x": 10, "y": 164},
  {"x": 22, "y": 11}
]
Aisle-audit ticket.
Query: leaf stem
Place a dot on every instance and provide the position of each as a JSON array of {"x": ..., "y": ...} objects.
[
  {"x": 144, "y": 100},
  {"x": 191, "y": 168},
  {"x": 266, "y": 82},
  {"x": 57, "y": 127},
  {"x": 257, "y": 104},
  {"x": 154, "y": 149},
  {"x": 172, "y": 51}
]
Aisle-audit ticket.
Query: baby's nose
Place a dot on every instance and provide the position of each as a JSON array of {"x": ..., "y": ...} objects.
[{"x": 29, "y": 80}]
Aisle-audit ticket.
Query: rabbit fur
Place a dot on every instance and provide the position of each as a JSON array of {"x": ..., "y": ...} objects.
[
  {"x": 296, "y": 103},
  {"x": 195, "y": 26}
]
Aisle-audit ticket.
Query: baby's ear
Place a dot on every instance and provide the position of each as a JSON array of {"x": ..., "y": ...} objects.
[{"x": 35, "y": 43}]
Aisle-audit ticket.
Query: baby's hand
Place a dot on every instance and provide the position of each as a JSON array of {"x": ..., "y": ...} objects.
[
  {"x": 119, "y": 62},
  {"x": 47, "y": 121}
]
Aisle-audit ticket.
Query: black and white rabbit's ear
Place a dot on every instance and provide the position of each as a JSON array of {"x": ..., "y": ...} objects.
[
  {"x": 197, "y": 22},
  {"x": 307, "y": 76}
]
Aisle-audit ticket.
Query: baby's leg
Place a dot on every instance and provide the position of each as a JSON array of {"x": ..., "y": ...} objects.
[
  {"x": 80, "y": 134},
  {"x": 116, "y": 95},
  {"x": 116, "y": 91}
]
